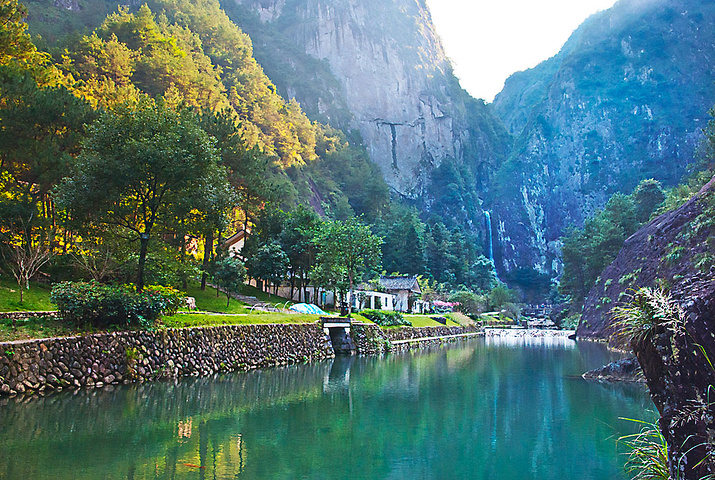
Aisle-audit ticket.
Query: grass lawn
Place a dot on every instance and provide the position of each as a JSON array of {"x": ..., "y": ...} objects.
[
  {"x": 207, "y": 301},
  {"x": 252, "y": 291},
  {"x": 198, "y": 319},
  {"x": 416, "y": 320},
  {"x": 37, "y": 327},
  {"x": 426, "y": 321},
  {"x": 37, "y": 298}
]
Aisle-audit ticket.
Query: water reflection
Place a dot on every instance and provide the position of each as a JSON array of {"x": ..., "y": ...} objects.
[{"x": 479, "y": 409}]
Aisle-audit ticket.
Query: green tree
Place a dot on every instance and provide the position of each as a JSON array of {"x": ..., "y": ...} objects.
[
  {"x": 574, "y": 279},
  {"x": 647, "y": 196},
  {"x": 404, "y": 249},
  {"x": 440, "y": 256},
  {"x": 349, "y": 248},
  {"x": 249, "y": 170},
  {"x": 500, "y": 296},
  {"x": 469, "y": 302},
  {"x": 138, "y": 163},
  {"x": 298, "y": 241},
  {"x": 229, "y": 273},
  {"x": 483, "y": 274},
  {"x": 17, "y": 52},
  {"x": 620, "y": 211},
  {"x": 40, "y": 133},
  {"x": 269, "y": 263}
]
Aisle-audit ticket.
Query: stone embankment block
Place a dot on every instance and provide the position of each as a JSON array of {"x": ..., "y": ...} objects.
[{"x": 111, "y": 358}]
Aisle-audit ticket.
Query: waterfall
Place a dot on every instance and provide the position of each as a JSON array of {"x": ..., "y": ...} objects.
[
  {"x": 489, "y": 231},
  {"x": 488, "y": 217}
]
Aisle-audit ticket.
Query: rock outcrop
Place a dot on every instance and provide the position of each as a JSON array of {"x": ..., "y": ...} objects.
[
  {"x": 675, "y": 251},
  {"x": 626, "y": 370}
]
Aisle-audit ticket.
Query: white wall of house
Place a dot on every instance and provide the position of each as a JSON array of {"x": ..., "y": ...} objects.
[
  {"x": 371, "y": 299},
  {"x": 402, "y": 301}
]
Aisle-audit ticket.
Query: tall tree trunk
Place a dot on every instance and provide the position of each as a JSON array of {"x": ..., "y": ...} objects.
[
  {"x": 208, "y": 252},
  {"x": 304, "y": 283},
  {"x": 184, "y": 280},
  {"x": 350, "y": 293},
  {"x": 245, "y": 216},
  {"x": 142, "y": 261}
]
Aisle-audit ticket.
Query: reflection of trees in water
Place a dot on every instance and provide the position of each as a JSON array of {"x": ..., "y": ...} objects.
[
  {"x": 103, "y": 429},
  {"x": 467, "y": 410}
]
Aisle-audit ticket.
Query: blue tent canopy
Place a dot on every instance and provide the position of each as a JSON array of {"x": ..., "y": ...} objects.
[{"x": 307, "y": 308}]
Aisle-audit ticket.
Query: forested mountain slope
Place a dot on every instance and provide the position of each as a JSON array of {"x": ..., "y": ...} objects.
[{"x": 625, "y": 100}]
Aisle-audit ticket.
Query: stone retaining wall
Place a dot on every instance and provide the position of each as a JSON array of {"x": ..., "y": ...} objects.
[
  {"x": 407, "y": 333},
  {"x": 96, "y": 360},
  {"x": 372, "y": 340},
  {"x": 120, "y": 357},
  {"x": 24, "y": 315}
]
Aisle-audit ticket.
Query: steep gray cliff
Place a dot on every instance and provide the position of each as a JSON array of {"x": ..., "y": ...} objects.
[
  {"x": 394, "y": 79},
  {"x": 625, "y": 100}
]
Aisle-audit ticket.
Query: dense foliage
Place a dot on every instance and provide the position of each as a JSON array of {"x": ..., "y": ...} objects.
[
  {"x": 138, "y": 165},
  {"x": 97, "y": 305},
  {"x": 386, "y": 319},
  {"x": 587, "y": 251}
]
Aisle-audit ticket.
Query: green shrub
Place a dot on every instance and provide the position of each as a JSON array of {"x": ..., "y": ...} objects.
[
  {"x": 91, "y": 303},
  {"x": 386, "y": 319}
]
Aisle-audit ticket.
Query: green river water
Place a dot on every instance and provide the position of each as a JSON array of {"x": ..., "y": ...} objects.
[{"x": 478, "y": 409}]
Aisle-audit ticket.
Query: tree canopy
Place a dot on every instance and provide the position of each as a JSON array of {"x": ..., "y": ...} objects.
[
  {"x": 347, "y": 250},
  {"x": 137, "y": 165}
]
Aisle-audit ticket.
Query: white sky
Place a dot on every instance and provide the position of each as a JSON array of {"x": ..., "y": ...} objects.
[{"x": 488, "y": 40}]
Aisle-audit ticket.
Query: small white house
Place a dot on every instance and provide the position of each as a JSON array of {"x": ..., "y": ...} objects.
[
  {"x": 307, "y": 295},
  {"x": 405, "y": 289}
]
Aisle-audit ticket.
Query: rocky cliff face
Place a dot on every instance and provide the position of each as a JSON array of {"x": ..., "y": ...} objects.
[
  {"x": 625, "y": 100},
  {"x": 675, "y": 251},
  {"x": 394, "y": 79}
]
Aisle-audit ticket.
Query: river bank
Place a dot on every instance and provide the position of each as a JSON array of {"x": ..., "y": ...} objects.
[
  {"x": 463, "y": 410},
  {"x": 97, "y": 360}
]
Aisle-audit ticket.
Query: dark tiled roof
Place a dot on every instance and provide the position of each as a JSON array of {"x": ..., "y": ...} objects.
[
  {"x": 401, "y": 283},
  {"x": 235, "y": 238}
]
